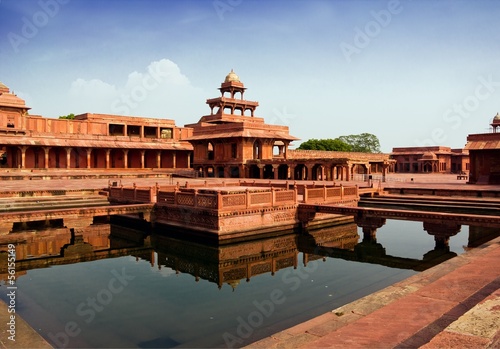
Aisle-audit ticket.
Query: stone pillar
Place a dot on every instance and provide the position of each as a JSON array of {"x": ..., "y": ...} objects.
[
  {"x": 348, "y": 174},
  {"x": 369, "y": 225},
  {"x": 322, "y": 172},
  {"x": 442, "y": 232},
  {"x": 125, "y": 158},
  {"x": 275, "y": 171},
  {"x": 309, "y": 173},
  {"x": 174, "y": 159},
  {"x": 261, "y": 171},
  {"x": 68, "y": 157},
  {"x": 385, "y": 168},
  {"x": 292, "y": 171},
  {"x": 158, "y": 158},
  {"x": 188, "y": 160},
  {"x": 143, "y": 152},
  {"x": 89, "y": 154},
  {"x": 46, "y": 150},
  {"x": 108, "y": 151},
  {"x": 23, "y": 155}
]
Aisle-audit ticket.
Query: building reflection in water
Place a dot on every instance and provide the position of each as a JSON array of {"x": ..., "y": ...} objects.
[{"x": 228, "y": 263}]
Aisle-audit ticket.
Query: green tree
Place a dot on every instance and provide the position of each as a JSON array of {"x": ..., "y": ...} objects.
[
  {"x": 69, "y": 116},
  {"x": 325, "y": 144},
  {"x": 364, "y": 142}
]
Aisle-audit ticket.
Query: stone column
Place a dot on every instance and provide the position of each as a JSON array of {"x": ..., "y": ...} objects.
[
  {"x": 23, "y": 155},
  {"x": 322, "y": 172},
  {"x": 89, "y": 156},
  {"x": 125, "y": 158},
  {"x": 188, "y": 160},
  {"x": 158, "y": 159},
  {"x": 309, "y": 175},
  {"x": 68, "y": 157},
  {"x": 143, "y": 152},
  {"x": 442, "y": 231},
  {"x": 275, "y": 171},
  {"x": 292, "y": 171},
  {"x": 174, "y": 159},
  {"x": 261, "y": 171},
  {"x": 46, "y": 149},
  {"x": 108, "y": 151}
]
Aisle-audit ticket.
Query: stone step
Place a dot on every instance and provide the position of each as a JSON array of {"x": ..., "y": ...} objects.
[{"x": 52, "y": 203}]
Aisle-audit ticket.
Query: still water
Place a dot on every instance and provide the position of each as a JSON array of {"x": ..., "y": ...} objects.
[{"x": 174, "y": 293}]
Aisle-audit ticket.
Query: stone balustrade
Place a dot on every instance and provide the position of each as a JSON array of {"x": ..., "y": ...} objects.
[
  {"x": 233, "y": 196},
  {"x": 227, "y": 200}
]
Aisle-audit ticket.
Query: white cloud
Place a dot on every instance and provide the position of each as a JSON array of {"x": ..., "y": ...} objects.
[{"x": 161, "y": 90}]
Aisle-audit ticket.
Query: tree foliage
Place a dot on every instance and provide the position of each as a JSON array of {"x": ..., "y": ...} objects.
[
  {"x": 364, "y": 142},
  {"x": 325, "y": 144},
  {"x": 69, "y": 116}
]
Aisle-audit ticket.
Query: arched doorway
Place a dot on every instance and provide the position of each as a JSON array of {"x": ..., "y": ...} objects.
[
  {"x": 254, "y": 171},
  {"x": 283, "y": 171},
  {"x": 300, "y": 172}
]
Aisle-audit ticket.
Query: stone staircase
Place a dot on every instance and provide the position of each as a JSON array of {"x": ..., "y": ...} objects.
[{"x": 23, "y": 204}]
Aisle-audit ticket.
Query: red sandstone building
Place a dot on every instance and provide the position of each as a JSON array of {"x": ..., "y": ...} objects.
[
  {"x": 232, "y": 142},
  {"x": 229, "y": 142},
  {"x": 91, "y": 141},
  {"x": 436, "y": 159},
  {"x": 484, "y": 150}
]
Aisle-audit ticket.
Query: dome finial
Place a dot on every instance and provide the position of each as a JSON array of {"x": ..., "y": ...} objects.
[{"x": 232, "y": 77}]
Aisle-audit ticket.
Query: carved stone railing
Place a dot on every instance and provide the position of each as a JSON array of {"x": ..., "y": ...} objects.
[
  {"x": 227, "y": 200},
  {"x": 132, "y": 194},
  {"x": 330, "y": 194},
  {"x": 201, "y": 195}
]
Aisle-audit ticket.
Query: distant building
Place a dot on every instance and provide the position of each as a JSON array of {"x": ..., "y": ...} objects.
[
  {"x": 435, "y": 159},
  {"x": 484, "y": 150},
  {"x": 90, "y": 141}
]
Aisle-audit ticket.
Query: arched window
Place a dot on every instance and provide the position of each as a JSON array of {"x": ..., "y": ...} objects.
[
  {"x": 210, "y": 151},
  {"x": 257, "y": 150}
]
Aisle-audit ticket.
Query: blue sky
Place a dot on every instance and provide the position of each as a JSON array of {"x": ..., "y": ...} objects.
[{"x": 411, "y": 72}]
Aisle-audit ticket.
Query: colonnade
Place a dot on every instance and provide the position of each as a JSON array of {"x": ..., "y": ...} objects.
[
  {"x": 291, "y": 171},
  {"x": 46, "y": 157}
]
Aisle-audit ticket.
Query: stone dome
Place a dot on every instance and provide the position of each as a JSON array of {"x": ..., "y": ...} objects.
[
  {"x": 428, "y": 155},
  {"x": 496, "y": 119},
  {"x": 232, "y": 77}
]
